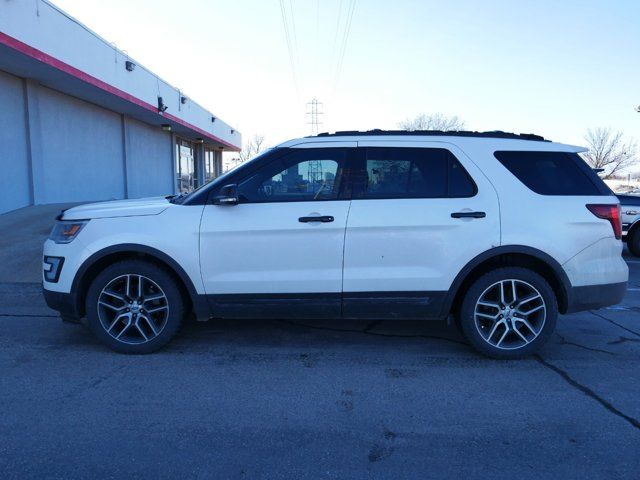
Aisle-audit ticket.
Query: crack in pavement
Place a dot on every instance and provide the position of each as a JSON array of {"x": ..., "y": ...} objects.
[
  {"x": 367, "y": 331},
  {"x": 28, "y": 315},
  {"x": 615, "y": 323},
  {"x": 587, "y": 391},
  {"x": 623, "y": 340},
  {"x": 564, "y": 341}
]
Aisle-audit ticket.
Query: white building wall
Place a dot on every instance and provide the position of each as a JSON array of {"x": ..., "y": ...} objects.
[
  {"x": 15, "y": 188},
  {"x": 150, "y": 169},
  {"x": 82, "y": 151},
  {"x": 47, "y": 28}
]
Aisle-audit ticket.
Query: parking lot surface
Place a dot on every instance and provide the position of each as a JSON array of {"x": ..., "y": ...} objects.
[{"x": 275, "y": 399}]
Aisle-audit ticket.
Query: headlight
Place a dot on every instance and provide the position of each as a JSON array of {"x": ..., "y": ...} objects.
[{"x": 66, "y": 231}]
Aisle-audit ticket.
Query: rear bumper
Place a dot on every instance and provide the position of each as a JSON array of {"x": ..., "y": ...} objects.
[
  {"x": 65, "y": 303},
  {"x": 591, "y": 297}
]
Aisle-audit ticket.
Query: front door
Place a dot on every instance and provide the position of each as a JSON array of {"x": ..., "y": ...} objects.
[
  {"x": 279, "y": 252},
  {"x": 419, "y": 213}
]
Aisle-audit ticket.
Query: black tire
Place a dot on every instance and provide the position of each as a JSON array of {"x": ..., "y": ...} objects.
[
  {"x": 633, "y": 242},
  {"x": 545, "y": 317},
  {"x": 157, "y": 281}
]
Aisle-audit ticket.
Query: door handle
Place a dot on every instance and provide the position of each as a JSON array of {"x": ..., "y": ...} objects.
[
  {"x": 468, "y": 215},
  {"x": 317, "y": 218},
  {"x": 631, "y": 212}
]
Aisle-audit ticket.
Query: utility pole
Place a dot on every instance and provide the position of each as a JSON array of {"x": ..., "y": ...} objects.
[
  {"x": 314, "y": 172},
  {"x": 314, "y": 108}
]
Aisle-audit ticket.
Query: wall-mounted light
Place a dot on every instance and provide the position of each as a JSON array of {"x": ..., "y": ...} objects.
[
  {"x": 213, "y": 119},
  {"x": 166, "y": 127},
  {"x": 183, "y": 99},
  {"x": 161, "y": 106},
  {"x": 232, "y": 131},
  {"x": 199, "y": 140},
  {"x": 130, "y": 66}
]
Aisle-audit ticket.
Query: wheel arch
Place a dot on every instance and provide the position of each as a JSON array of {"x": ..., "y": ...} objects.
[
  {"x": 107, "y": 256},
  {"x": 509, "y": 256},
  {"x": 634, "y": 228}
]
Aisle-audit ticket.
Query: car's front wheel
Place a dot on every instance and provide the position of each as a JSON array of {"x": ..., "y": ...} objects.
[
  {"x": 134, "y": 306},
  {"x": 509, "y": 313}
]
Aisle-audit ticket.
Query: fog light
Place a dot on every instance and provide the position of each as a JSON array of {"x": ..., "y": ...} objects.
[{"x": 52, "y": 267}]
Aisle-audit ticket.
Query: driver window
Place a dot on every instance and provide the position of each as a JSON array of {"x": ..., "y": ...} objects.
[{"x": 304, "y": 175}]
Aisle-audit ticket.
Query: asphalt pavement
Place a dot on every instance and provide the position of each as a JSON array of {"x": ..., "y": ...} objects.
[{"x": 334, "y": 399}]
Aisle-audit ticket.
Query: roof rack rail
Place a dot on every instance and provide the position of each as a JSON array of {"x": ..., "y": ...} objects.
[{"x": 439, "y": 133}]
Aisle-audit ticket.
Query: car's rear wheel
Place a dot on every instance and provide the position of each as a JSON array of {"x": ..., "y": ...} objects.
[
  {"x": 134, "y": 307},
  {"x": 633, "y": 242},
  {"x": 509, "y": 313}
]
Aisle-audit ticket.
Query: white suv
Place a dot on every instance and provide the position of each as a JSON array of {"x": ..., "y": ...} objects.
[{"x": 501, "y": 231}]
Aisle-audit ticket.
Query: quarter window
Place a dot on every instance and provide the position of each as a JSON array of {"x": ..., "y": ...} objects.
[
  {"x": 553, "y": 173},
  {"x": 413, "y": 173}
]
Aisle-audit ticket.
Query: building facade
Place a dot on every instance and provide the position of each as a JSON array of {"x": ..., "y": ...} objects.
[{"x": 81, "y": 121}]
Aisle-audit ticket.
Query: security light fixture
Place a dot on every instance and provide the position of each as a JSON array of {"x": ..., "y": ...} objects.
[
  {"x": 213, "y": 119},
  {"x": 232, "y": 131},
  {"x": 161, "y": 106},
  {"x": 199, "y": 140},
  {"x": 166, "y": 127},
  {"x": 638, "y": 109},
  {"x": 183, "y": 99},
  {"x": 130, "y": 66}
]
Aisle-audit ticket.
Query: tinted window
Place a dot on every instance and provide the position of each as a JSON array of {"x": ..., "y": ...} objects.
[
  {"x": 553, "y": 173},
  {"x": 413, "y": 173},
  {"x": 629, "y": 200},
  {"x": 303, "y": 175}
]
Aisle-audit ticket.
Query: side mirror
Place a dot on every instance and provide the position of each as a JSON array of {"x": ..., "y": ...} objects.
[{"x": 228, "y": 195}]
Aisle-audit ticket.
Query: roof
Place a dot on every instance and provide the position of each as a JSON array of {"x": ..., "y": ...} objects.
[{"x": 436, "y": 133}]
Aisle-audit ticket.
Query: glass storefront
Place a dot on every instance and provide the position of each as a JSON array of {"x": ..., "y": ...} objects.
[
  {"x": 186, "y": 166},
  {"x": 212, "y": 163}
]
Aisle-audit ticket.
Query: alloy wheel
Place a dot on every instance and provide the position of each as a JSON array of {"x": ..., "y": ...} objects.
[
  {"x": 510, "y": 314},
  {"x": 133, "y": 309}
]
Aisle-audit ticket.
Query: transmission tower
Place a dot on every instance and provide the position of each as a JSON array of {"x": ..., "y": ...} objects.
[{"x": 314, "y": 172}]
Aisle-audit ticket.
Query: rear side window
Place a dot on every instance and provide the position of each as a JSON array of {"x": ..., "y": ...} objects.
[
  {"x": 413, "y": 173},
  {"x": 553, "y": 173},
  {"x": 633, "y": 200}
]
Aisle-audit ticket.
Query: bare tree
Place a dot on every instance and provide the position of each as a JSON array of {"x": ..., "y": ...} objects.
[
  {"x": 252, "y": 148},
  {"x": 610, "y": 151},
  {"x": 433, "y": 121}
]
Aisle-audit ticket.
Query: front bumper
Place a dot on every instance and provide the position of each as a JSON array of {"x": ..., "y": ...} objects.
[
  {"x": 65, "y": 303},
  {"x": 591, "y": 297}
]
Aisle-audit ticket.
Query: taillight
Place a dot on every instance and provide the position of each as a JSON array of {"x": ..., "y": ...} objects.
[{"x": 611, "y": 213}]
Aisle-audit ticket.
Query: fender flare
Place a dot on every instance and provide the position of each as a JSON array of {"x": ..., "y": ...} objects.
[
  {"x": 555, "y": 266},
  {"x": 79, "y": 284}
]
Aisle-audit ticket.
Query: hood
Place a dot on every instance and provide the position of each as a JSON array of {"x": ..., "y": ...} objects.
[{"x": 117, "y": 208}]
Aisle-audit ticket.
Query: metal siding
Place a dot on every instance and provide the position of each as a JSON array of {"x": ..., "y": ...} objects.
[
  {"x": 14, "y": 156},
  {"x": 81, "y": 151},
  {"x": 149, "y": 155}
]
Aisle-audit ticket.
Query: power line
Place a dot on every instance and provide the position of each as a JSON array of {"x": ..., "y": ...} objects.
[
  {"x": 289, "y": 46},
  {"x": 345, "y": 39},
  {"x": 295, "y": 35}
]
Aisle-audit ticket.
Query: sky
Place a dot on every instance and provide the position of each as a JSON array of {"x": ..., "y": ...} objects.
[{"x": 555, "y": 68}]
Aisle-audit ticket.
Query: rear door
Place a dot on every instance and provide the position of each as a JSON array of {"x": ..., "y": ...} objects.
[{"x": 419, "y": 212}]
